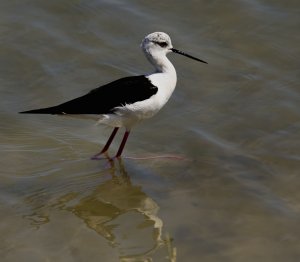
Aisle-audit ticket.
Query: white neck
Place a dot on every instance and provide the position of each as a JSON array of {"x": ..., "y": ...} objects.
[
  {"x": 161, "y": 63},
  {"x": 164, "y": 77}
]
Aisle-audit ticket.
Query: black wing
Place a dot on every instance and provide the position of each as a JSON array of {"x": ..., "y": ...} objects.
[{"x": 104, "y": 99}]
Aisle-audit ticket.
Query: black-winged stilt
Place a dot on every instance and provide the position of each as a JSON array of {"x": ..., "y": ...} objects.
[{"x": 127, "y": 101}]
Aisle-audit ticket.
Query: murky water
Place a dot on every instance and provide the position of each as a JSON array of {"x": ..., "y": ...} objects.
[{"x": 235, "y": 120}]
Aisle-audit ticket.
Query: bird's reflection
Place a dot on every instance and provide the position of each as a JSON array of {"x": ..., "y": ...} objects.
[
  {"x": 115, "y": 202},
  {"x": 116, "y": 209}
]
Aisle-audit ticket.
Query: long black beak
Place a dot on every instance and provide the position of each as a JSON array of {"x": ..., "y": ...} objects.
[{"x": 187, "y": 55}]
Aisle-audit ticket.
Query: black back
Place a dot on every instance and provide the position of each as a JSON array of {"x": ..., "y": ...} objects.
[{"x": 105, "y": 99}]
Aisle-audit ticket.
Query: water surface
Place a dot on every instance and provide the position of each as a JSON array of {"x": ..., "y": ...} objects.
[{"x": 236, "y": 121}]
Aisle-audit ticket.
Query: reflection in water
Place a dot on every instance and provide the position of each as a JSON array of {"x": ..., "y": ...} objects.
[
  {"x": 117, "y": 210},
  {"x": 109, "y": 207}
]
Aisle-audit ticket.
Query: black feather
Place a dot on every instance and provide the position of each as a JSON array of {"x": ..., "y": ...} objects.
[{"x": 105, "y": 99}]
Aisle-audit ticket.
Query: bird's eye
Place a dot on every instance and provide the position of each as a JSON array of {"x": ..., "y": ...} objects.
[{"x": 162, "y": 44}]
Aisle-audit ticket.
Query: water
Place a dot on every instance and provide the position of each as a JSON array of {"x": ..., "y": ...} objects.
[{"x": 235, "y": 120}]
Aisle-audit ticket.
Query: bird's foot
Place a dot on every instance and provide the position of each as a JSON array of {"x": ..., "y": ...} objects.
[
  {"x": 105, "y": 156},
  {"x": 100, "y": 156}
]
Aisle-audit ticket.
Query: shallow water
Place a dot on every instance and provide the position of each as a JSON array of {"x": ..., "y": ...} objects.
[{"x": 236, "y": 121}]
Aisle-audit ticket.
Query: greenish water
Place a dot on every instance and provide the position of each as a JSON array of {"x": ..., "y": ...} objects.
[{"x": 236, "y": 121}]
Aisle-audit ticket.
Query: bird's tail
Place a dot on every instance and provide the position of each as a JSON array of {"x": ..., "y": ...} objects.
[{"x": 49, "y": 110}]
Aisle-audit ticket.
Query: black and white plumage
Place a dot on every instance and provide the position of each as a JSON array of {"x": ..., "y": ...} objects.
[
  {"x": 105, "y": 99},
  {"x": 127, "y": 101}
]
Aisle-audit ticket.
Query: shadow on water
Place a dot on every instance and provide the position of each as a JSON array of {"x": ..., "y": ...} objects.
[{"x": 116, "y": 209}]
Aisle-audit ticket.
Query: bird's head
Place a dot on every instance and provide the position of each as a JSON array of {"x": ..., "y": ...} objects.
[{"x": 158, "y": 44}]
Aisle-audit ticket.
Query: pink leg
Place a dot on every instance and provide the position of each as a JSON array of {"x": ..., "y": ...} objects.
[
  {"x": 123, "y": 143},
  {"x": 108, "y": 143},
  {"x": 112, "y": 136}
]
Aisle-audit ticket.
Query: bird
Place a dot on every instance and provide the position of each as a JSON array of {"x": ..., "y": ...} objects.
[{"x": 125, "y": 102}]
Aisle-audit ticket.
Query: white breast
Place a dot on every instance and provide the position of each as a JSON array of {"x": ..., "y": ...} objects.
[{"x": 166, "y": 84}]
